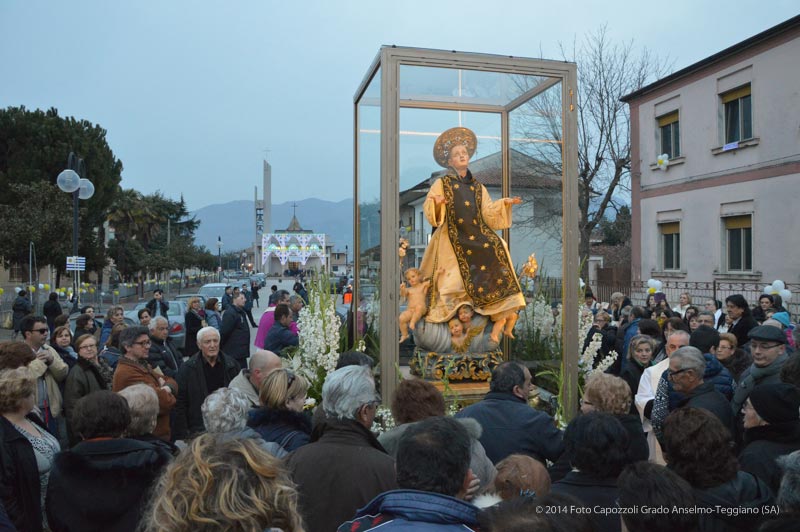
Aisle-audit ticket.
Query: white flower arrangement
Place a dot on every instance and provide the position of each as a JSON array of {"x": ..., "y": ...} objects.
[
  {"x": 383, "y": 422},
  {"x": 586, "y": 361},
  {"x": 318, "y": 330}
]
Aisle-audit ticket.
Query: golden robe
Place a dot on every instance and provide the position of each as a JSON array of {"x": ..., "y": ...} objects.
[{"x": 491, "y": 285}]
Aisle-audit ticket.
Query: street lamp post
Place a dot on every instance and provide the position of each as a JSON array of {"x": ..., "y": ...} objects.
[
  {"x": 345, "y": 259},
  {"x": 219, "y": 253},
  {"x": 70, "y": 181}
]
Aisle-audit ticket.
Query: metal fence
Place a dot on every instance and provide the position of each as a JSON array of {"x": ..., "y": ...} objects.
[{"x": 699, "y": 292}]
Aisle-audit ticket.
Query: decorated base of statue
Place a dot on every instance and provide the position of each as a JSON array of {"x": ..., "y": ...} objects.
[{"x": 454, "y": 366}]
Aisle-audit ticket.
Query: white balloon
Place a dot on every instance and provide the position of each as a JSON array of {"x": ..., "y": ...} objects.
[
  {"x": 41, "y": 286},
  {"x": 651, "y": 283},
  {"x": 658, "y": 286},
  {"x": 17, "y": 289},
  {"x": 785, "y": 294},
  {"x": 582, "y": 283},
  {"x": 778, "y": 285},
  {"x": 767, "y": 290}
]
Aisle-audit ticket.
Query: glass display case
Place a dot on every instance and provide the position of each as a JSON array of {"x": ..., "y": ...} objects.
[{"x": 523, "y": 116}]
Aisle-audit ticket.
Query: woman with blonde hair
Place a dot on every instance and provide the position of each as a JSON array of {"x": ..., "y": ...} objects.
[
  {"x": 220, "y": 484},
  {"x": 281, "y": 419}
]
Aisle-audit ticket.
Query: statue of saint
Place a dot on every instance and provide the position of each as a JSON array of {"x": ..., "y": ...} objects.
[{"x": 467, "y": 262}]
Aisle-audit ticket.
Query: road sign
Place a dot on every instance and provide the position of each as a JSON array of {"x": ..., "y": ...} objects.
[{"x": 76, "y": 264}]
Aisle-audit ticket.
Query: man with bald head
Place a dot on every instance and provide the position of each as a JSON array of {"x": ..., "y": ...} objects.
[{"x": 248, "y": 381}]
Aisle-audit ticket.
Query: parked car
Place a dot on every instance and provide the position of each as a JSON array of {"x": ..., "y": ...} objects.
[
  {"x": 176, "y": 316},
  {"x": 213, "y": 290}
]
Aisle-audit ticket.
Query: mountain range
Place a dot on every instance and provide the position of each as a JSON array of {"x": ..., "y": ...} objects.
[{"x": 235, "y": 222}]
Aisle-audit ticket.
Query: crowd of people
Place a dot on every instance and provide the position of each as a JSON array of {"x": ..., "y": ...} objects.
[{"x": 693, "y": 430}]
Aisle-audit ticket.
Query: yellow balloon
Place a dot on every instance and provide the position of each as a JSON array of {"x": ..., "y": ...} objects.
[
  {"x": 91, "y": 290},
  {"x": 116, "y": 292},
  {"x": 1, "y": 291},
  {"x": 46, "y": 286}
]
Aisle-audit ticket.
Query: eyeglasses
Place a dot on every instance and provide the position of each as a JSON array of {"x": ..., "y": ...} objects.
[
  {"x": 671, "y": 374},
  {"x": 585, "y": 402},
  {"x": 144, "y": 343},
  {"x": 43, "y": 330},
  {"x": 88, "y": 346},
  {"x": 759, "y": 345}
]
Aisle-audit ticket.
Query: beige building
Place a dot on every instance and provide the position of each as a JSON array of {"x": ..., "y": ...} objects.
[{"x": 726, "y": 207}]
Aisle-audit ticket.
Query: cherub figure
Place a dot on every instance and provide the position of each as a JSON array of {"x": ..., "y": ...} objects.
[
  {"x": 503, "y": 322},
  {"x": 458, "y": 334},
  {"x": 465, "y": 314},
  {"x": 415, "y": 294}
]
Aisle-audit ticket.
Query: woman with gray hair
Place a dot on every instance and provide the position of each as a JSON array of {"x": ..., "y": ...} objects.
[
  {"x": 225, "y": 413},
  {"x": 143, "y": 404},
  {"x": 345, "y": 467}
]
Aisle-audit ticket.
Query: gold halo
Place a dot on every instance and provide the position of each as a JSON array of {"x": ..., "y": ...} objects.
[{"x": 455, "y": 136}]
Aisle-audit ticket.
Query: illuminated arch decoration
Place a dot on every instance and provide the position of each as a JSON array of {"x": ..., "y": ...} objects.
[{"x": 294, "y": 244}]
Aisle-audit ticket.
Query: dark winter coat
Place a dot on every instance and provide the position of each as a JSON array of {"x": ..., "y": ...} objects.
[
  {"x": 737, "y": 363},
  {"x": 21, "y": 307},
  {"x": 741, "y": 329},
  {"x": 414, "y": 510},
  {"x": 339, "y": 472},
  {"x": 65, "y": 355},
  {"x": 163, "y": 306},
  {"x": 288, "y": 428},
  {"x": 744, "y": 491},
  {"x": 632, "y": 374},
  {"x": 235, "y": 333},
  {"x": 638, "y": 448},
  {"x": 763, "y": 445},
  {"x": 19, "y": 477},
  {"x": 102, "y": 485},
  {"x": 112, "y": 356},
  {"x": 280, "y": 337},
  {"x": 593, "y": 492},
  {"x": 192, "y": 391},
  {"x": 511, "y": 426},
  {"x": 711, "y": 400},
  {"x": 83, "y": 379},
  {"x": 715, "y": 373},
  {"x": 194, "y": 322},
  {"x": 164, "y": 355},
  {"x": 51, "y": 310}
]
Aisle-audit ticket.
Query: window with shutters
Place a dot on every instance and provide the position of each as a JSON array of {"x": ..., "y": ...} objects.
[
  {"x": 737, "y": 114},
  {"x": 670, "y": 245},
  {"x": 669, "y": 131},
  {"x": 738, "y": 243}
]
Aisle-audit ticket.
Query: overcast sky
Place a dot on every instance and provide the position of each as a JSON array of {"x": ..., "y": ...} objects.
[{"x": 192, "y": 93}]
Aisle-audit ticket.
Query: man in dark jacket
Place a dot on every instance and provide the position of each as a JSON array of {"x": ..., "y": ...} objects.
[
  {"x": 771, "y": 429},
  {"x": 768, "y": 347},
  {"x": 157, "y": 306},
  {"x": 739, "y": 311},
  {"x": 227, "y": 298},
  {"x": 22, "y": 307},
  {"x": 686, "y": 368},
  {"x": 510, "y": 425},
  {"x": 103, "y": 482},
  {"x": 434, "y": 476},
  {"x": 235, "y": 332},
  {"x": 204, "y": 373},
  {"x": 344, "y": 467},
  {"x": 280, "y": 335},
  {"x": 248, "y": 304},
  {"x": 163, "y": 353}
]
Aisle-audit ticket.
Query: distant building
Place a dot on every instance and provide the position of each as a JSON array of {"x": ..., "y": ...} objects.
[{"x": 725, "y": 207}]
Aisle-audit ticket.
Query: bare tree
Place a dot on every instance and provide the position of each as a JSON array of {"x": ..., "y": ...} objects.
[{"x": 606, "y": 72}]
